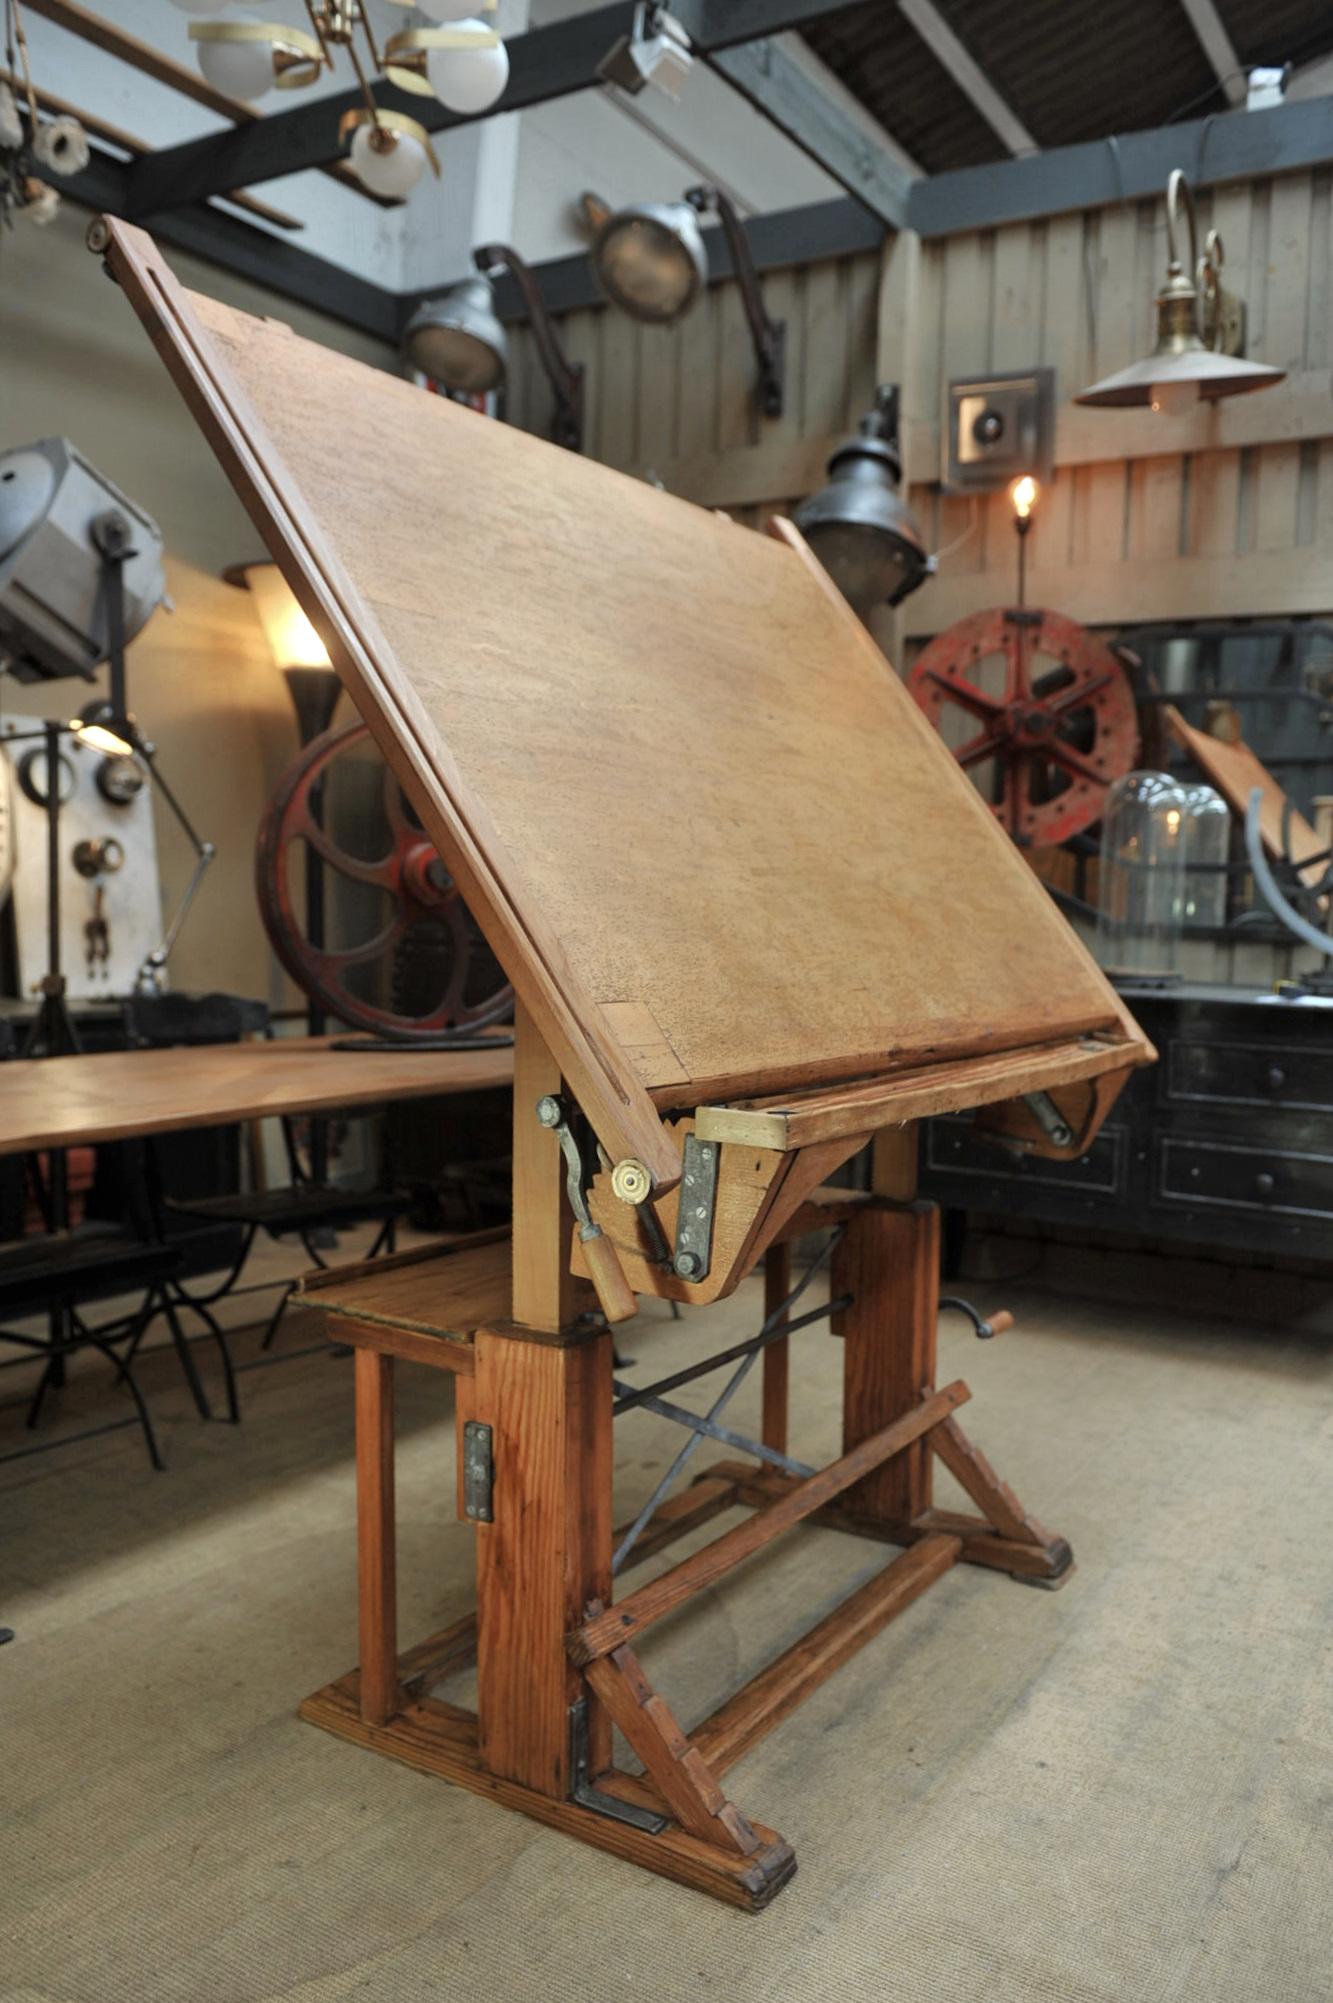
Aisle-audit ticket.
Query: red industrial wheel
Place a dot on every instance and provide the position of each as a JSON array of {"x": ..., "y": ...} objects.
[
  {"x": 402, "y": 955},
  {"x": 1038, "y": 710}
]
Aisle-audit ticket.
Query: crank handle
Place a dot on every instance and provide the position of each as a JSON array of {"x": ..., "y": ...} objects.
[
  {"x": 607, "y": 1274},
  {"x": 984, "y": 1330}
]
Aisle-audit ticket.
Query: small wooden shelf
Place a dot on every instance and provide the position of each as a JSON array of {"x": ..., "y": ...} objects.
[{"x": 444, "y": 1291}]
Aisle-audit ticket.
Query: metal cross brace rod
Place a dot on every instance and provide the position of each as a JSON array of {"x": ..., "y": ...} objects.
[
  {"x": 711, "y": 1430},
  {"x": 772, "y": 1326}
]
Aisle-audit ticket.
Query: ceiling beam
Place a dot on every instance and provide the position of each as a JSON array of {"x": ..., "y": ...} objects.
[
  {"x": 254, "y": 254},
  {"x": 968, "y": 74},
  {"x": 798, "y": 105},
  {"x": 1233, "y": 146},
  {"x": 787, "y": 237},
  {"x": 545, "y": 63},
  {"x": 840, "y": 228},
  {"x": 1217, "y": 45}
]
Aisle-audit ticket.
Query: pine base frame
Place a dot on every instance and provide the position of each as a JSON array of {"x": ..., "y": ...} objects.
[{"x": 548, "y": 1635}]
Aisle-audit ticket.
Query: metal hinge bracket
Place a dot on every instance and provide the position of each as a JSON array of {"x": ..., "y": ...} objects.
[
  {"x": 694, "y": 1218},
  {"x": 478, "y": 1473}
]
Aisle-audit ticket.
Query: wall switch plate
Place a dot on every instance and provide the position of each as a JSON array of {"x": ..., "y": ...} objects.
[{"x": 997, "y": 427}]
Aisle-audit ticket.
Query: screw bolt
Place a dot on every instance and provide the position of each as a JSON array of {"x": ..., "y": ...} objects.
[{"x": 687, "y": 1264}]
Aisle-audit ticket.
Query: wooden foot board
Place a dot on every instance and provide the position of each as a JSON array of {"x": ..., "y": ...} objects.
[{"x": 704, "y": 1840}]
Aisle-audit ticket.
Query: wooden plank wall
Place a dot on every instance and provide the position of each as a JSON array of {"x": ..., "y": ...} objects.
[
  {"x": 1227, "y": 512},
  {"x": 675, "y": 403}
]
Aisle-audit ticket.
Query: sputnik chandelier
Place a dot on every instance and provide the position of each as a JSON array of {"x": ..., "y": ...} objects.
[{"x": 459, "y": 60}]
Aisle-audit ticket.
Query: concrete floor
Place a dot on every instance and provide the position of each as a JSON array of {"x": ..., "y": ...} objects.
[{"x": 1117, "y": 1792}]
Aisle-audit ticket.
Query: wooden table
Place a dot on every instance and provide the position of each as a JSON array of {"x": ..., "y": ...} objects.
[
  {"x": 113, "y": 1095},
  {"x": 755, "y": 914}
]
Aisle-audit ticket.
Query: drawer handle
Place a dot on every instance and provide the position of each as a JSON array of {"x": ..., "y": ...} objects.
[
  {"x": 1277, "y": 1078},
  {"x": 1264, "y": 1183}
]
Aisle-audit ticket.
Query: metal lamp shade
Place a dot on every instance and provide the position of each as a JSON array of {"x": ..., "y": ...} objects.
[
  {"x": 862, "y": 530},
  {"x": 458, "y": 339},
  {"x": 651, "y": 260},
  {"x": 1210, "y": 374}
]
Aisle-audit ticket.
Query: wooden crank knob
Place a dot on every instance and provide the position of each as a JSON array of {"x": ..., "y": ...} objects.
[{"x": 608, "y": 1277}]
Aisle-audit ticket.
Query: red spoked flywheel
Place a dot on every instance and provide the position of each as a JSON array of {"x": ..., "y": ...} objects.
[
  {"x": 1038, "y": 710},
  {"x": 402, "y": 955}
]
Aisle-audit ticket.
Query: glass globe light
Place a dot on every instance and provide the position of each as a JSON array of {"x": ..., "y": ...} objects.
[
  {"x": 241, "y": 69},
  {"x": 468, "y": 80},
  {"x": 388, "y": 163}
]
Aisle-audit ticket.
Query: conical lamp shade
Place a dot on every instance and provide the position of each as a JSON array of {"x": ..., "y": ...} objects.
[{"x": 1212, "y": 376}]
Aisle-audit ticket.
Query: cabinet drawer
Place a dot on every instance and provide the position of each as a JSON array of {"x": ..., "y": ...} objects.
[
  {"x": 955, "y": 1147},
  {"x": 1239, "y": 1178},
  {"x": 1248, "y": 1074}
]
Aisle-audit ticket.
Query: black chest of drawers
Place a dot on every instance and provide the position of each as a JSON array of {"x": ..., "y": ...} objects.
[{"x": 1226, "y": 1140}]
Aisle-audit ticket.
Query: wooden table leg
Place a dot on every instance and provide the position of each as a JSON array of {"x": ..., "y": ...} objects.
[
  {"x": 544, "y": 1388},
  {"x": 889, "y": 1263},
  {"x": 375, "y": 1540}
]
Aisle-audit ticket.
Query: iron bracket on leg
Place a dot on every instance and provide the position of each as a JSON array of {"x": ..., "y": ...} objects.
[{"x": 587, "y": 1796}]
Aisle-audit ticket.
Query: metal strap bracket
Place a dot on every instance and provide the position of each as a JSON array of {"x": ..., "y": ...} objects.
[
  {"x": 587, "y": 1796},
  {"x": 694, "y": 1218}
]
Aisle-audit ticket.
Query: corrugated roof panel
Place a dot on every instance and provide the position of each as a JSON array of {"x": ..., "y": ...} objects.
[
  {"x": 1079, "y": 69},
  {"x": 1277, "y": 31},
  {"x": 884, "y": 62}
]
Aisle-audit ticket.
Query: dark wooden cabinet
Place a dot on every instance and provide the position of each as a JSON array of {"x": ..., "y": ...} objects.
[{"x": 1227, "y": 1140}]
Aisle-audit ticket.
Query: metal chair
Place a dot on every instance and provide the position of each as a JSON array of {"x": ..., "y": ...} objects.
[{"x": 302, "y": 1208}]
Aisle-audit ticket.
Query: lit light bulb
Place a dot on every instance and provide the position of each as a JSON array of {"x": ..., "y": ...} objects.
[
  {"x": 1023, "y": 495},
  {"x": 241, "y": 68},
  {"x": 1174, "y": 399},
  {"x": 388, "y": 163},
  {"x": 468, "y": 80}
]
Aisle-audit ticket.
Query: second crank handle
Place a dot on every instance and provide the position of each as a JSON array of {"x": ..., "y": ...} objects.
[{"x": 613, "y": 1290}]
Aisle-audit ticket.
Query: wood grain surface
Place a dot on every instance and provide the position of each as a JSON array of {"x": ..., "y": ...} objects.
[
  {"x": 714, "y": 843},
  {"x": 113, "y": 1095}
]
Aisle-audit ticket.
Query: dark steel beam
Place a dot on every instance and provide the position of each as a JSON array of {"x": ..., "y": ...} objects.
[
  {"x": 1234, "y": 146},
  {"x": 767, "y": 78},
  {"x": 789, "y": 236},
  {"x": 545, "y": 63},
  {"x": 268, "y": 261}
]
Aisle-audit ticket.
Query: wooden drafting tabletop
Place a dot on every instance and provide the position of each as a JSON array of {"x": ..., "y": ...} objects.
[
  {"x": 713, "y": 841},
  {"x": 113, "y": 1095}
]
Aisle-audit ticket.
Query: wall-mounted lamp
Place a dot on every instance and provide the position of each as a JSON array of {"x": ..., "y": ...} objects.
[
  {"x": 651, "y": 260},
  {"x": 1200, "y": 331},
  {"x": 459, "y": 341},
  {"x": 859, "y": 526},
  {"x": 296, "y": 647}
]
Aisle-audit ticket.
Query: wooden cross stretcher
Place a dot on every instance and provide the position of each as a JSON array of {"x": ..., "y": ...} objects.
[{"x": 755, "y": 917}]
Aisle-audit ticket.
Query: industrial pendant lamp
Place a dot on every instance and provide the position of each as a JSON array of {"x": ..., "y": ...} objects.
[
  {"x": 652, "y": 261},
  {"x": 859, "y": 525},
  {"x": 459, "y": 340},
  {"x": 1200, "y": 331}
]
